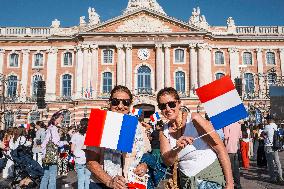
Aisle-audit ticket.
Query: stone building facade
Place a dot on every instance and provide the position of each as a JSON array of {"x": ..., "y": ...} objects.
[{"x": 143, "y": 49}]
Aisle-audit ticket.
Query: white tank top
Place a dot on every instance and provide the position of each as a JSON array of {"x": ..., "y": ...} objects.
[{"x": 193, "y": 158}]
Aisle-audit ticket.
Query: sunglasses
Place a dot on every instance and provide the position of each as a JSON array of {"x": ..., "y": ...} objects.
[
  {"x": 116, "y": 102},
  {"x": 171, "y": 104}
]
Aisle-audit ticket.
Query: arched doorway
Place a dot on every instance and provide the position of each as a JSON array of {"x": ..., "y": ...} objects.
[{"x": 148, "y": 109}]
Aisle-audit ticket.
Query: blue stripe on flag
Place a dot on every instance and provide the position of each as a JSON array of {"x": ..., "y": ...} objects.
[
  {"x": 127, "y": 133},
  {"x": 229, "y": 116}
]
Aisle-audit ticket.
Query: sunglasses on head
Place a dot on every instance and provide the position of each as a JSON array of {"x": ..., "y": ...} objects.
[
  {"x": 171, "y": 104},
  {"x": 116, "y": 102}
]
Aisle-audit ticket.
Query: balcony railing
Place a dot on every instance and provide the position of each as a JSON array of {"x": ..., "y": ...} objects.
[
  {"x": 23, "y": 31},
  {"x": 260, "y": 30}
]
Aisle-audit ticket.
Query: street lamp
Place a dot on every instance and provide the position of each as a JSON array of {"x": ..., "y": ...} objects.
[{"x": 85, "y": 112}]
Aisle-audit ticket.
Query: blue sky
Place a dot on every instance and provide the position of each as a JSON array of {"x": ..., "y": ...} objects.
[{"x": 42, "y": 12}]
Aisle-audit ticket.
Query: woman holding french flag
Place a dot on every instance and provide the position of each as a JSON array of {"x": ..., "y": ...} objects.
[
  {"x": 203, "y": 162},
  {"x": 111, "y": 168}
]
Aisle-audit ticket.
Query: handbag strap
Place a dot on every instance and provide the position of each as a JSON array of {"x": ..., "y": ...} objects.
[{"x": 50, "y": 139}]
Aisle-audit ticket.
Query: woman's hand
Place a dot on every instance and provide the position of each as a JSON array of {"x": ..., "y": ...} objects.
[
  {"x": 118, "y": 182},
  {"x": 146, "y": 125},
  {"x": 183, "y": 141},
  {"x": 141, "y": 169}
]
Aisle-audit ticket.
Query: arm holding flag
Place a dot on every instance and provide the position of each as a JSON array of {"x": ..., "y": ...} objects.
[{"x": 203, "y": 126}]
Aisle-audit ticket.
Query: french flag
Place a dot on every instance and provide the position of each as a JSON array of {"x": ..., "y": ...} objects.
[
  {"x": 26, "y": 126},
  {"x": 111, "y": 130},
  {"x": 155, "y": 117},
  {"x": 136, "y": 112},
  {"x": 222, "y": 102}
]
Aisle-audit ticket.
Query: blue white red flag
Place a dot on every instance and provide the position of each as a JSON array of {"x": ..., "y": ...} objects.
[
  {"x": 136, "y": 112},
  {"x": 111, "y": 130},
  {"x": 222, "y": 102},
  {"x": 155, "y": 117},
  {"x": 26, "y": 126}
]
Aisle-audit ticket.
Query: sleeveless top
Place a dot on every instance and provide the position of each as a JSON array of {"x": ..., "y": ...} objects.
[{"x": 193, "y": 158}]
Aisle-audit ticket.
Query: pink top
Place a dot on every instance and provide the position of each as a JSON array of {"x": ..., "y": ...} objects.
[
  {"x": 51, "y": 133},
  {"x": 232, "y": 134}
]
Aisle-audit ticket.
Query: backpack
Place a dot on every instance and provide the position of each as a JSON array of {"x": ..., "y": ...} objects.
[
  {"x": 51, "y": 154},
  {"x": 277, "y": 140}
]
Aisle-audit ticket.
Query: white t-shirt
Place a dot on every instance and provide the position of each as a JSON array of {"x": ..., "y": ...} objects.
[
  {"x": 78, "y": 140},
  {"x": 193, "y": 158},
  {"x": 269, "y": 131}
]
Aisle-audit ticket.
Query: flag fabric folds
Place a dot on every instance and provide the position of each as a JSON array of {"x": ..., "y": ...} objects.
[
  {"x": 111, "y": 130},
  {"x": 136, "y": 112},
  {"x": 222, "y": 102},
  {"x": 155, "y": 117}
]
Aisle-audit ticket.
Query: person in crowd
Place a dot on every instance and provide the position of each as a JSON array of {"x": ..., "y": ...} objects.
[
  {"x": 272, "y": 155},
  {"x": 110, "y": 168},
  {"x": 62, "y": 163},
  {"x": 31, "y": 133},
  {"x": 245, "y": 149},
  {"x": 50, "y": 171},
  {"x": 19, "y": 138},
  {"x": 260, "y": 158},
  {"x": 77, "y": 148},
  {"x": 250, "y": 136},
  {"x": 39, "y": 138},
  {"x": 7, "y": 171},
  {"x": 154, "y": 140},
  {"x": 232, "y": 135},
  {"x": 204, "y": 162},
  {"x": 255, "y": 143}
]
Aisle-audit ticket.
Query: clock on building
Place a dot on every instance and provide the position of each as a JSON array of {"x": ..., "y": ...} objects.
[{"x": 143, "y": 54}]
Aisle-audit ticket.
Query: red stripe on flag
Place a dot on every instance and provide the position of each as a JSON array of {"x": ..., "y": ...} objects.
[
  {"x": 95, "y": 127},
  {"x": 215, "y": 89}
]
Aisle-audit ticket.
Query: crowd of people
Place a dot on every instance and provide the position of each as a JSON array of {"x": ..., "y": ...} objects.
[{"x": 170, "y": 150}]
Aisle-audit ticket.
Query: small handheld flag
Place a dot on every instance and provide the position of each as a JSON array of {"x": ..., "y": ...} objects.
[
  {"x": 155, "y": 117},
  {"x": 222, "y": 102},
  {"x": 111, "y": 130},
  {"x": 136, "y": 112},
  {"x": 26, "y": 126}
]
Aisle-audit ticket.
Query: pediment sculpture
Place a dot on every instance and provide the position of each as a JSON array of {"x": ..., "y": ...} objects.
[{"x": 143, "y": 24}]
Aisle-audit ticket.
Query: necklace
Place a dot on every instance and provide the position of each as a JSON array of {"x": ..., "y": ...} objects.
[{"x": 179, "y": 122}]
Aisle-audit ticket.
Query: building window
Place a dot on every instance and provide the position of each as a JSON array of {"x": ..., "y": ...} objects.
[
  {"x": 249, "y": 83},
  {"x": 14, "y": 60},
  {"x": 144, "y": 80},
  {"x": 107, "y": 82},
  {"x": 219, "y": 57},
  {"x": 270, "y": 58},
  {"x": 36, "y": 78},
  {"x": 247, "y": 58},
  {"x": 67, "y": 59},
  {"x": 12, "y": 86},
  {"x": 179, "y": 56},
  {"x": 9, "y": 119},
  {"x": 180, "y": 81},
  {"x": 219, "y": 75},
  {"x": 34, "y": 117},
  {"x": 271, "y": 78},
  {"x": 66, "y": 118},
  {"x": 107, "y": 56},
  {"x": 38, "y": 60},
  {"x": 66, "y": 85}
]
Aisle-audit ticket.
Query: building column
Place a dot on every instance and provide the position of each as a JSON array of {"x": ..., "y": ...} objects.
[
  {"x": 51, "y": 74},
  {"x": 204, "y": 64},
  {"x": 94, "y": 70},
  {"x": 261, "y": 83},
  {"x": 24, "y": 79},
  {"x": 119, "y": 68},
  {"x": 160, "y": 82},
  {"x": 2, "y": 53},
  {"x": 234, "y": 63},
  {"x": 282, "y": 61},
  {"x": 128, "y": 67},
  {"x": 85, "y": 66},
  {"x": 193, "y": 84},
  {"x": 79, "y": 72},
  {"x": 167, "y": 65}
]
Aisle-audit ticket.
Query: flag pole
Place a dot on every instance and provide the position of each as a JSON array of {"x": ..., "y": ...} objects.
[{"x": 204, "y": 135}]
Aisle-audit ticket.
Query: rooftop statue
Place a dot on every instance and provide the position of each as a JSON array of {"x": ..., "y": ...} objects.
[
  {"x": 149, "y": 4},
  {"x": 94, "y": 17}
]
